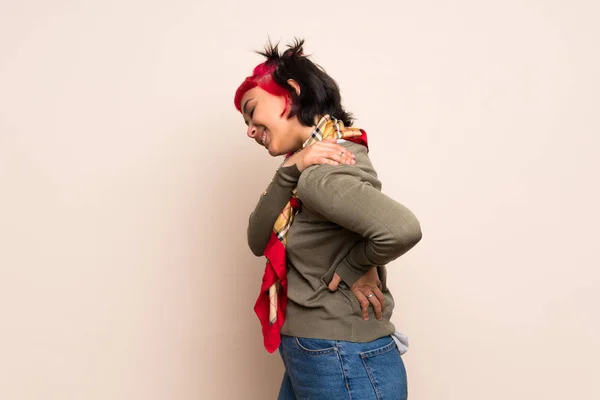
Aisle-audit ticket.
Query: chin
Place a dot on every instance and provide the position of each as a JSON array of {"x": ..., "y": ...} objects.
[{"x": 274, "y": 151}]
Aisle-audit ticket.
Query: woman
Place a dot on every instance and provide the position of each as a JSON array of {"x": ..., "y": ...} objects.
[{"x": 327, "y": 232}]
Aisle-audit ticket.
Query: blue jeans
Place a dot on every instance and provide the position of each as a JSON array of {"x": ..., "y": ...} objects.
[{"x": 319, "y": 369}]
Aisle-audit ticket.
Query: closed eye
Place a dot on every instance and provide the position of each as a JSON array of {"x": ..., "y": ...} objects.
[{"x": 251, "y": 115}]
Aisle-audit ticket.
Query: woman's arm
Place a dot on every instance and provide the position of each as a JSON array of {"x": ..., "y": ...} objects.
[
  {"x": 278, "y": 193},
  {"x": 269, "y": 207},
  {"x": 346, "y": 196}
]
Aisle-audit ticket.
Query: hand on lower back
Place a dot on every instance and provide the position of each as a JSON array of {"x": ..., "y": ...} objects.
[{"x": 367, "y": 291}]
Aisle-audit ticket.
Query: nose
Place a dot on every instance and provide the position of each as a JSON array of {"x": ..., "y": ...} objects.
[{"x": 252, "y": 131}]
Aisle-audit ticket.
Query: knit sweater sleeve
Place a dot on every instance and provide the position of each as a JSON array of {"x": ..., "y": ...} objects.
[
  {"x": 269, "y": 206},
  {"x": 347, "y": 196}
]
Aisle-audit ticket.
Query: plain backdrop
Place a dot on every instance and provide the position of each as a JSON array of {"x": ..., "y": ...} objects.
[{"x": 126, "y": 180}]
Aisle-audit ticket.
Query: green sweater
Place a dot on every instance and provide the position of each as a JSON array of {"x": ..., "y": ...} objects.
[{"x": 346, "y": 225}]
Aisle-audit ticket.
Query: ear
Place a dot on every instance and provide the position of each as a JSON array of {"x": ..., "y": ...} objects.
[{"x": 295, "y": 85}]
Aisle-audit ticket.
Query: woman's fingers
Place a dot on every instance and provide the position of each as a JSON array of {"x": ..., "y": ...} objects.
[
  {"x": 336, "y": 148},
  {"x": 377, "y": 292},
  {"x": 334, "y": 154},
  {"x": 335, "y": 282},
  {"x": 323, "y": 152},
  {"x": 373, "y": 297},
  {"x": 326, "y": 160},
  {"x": 377, "y": 304},
  {"x": 331, "y": 145},
  {"x": 364, "y": 303},
  {"x": 345, "y": 157},
  {"x": 328, "y": 152}
]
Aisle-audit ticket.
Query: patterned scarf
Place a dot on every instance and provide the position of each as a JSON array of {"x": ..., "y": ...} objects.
[{"x": 272, "y": 300}]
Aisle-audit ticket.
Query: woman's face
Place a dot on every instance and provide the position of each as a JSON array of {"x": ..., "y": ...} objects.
[{"x": 268, "y": 124}]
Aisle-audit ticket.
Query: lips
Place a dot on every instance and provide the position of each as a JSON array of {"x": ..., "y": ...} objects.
[{"x": 264, "y": 139}]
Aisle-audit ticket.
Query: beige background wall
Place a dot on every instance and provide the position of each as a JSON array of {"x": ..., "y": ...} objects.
[{"x": 126, "y": 181}]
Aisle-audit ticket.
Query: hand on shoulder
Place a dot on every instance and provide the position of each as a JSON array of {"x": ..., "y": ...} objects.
[{"x": 323, "y": 152}]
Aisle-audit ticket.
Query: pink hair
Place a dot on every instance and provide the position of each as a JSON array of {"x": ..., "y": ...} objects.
[{"x": 262, "y": 76}]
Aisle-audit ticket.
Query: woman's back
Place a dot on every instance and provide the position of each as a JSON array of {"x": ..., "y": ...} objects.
[{"x": 334, "y": 199}]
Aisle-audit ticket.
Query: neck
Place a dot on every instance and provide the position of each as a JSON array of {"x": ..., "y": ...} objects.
[
  {"x": 308, "y": 130},
  {"x": 305, "y": 133}
]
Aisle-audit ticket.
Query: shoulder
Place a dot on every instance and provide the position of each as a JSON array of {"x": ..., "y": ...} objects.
[{"x": 325, "y": 177}]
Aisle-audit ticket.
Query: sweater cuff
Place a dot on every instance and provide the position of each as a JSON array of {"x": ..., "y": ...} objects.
[
  {"x": 348, "y": 273},
  {"x": 287, "y": 176}
]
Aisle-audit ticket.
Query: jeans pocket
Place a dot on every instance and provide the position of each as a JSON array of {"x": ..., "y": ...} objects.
[
  {"x": 316, "y": 347},
  {"x": 386, "y": 371}
]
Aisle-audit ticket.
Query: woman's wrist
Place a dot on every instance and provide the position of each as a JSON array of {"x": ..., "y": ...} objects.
[{"x": 293, "y": 160}]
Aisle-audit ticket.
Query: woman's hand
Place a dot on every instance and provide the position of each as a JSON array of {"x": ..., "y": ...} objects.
[
  {"x": 323, "y": 152},
  {"x": 367, "y": 290}
]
